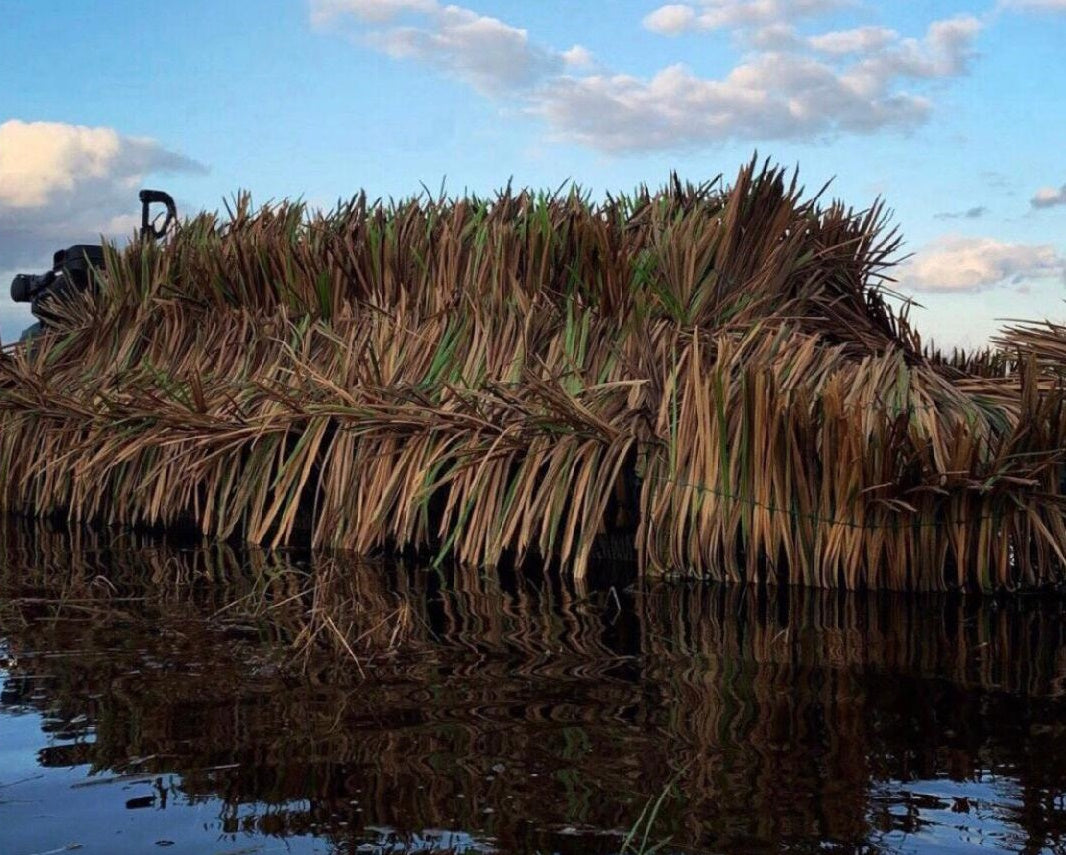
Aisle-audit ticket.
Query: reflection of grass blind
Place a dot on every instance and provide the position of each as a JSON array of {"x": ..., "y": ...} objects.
[{"x": 171, "y": 667}]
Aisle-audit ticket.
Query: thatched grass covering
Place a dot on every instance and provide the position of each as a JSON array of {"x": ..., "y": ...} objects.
[{"x": 717, "y": 370}]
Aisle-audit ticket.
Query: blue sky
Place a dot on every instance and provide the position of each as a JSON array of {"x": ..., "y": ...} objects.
[{"x": 954, "y": 111}]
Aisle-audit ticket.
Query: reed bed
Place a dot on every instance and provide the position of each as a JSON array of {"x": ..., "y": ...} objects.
[{"x": 719, "y": 373}]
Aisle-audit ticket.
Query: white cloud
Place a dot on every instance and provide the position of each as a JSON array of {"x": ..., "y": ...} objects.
[
  {"x": 578, "y": 57},
  {"x": 62, "y": 184},
  {"x": 1049, "y": 197},
  {"x": 960, "y": 264},
  {"x": 378, "y": 11},
  {"x": 487, "y": 53},
  {"x": 771, "y": 95},
  {"x": 42, "y": 160},
  {"x": 945, "y": 51},
  {"x": 676, "y": 18},
  {"x": 775, "y": 37},
  {"x": 786, "y": 86},
  {"x": 492, "y": 56},
  {"x": 859, "y": 40},
  {"x": 671, "y": 20}
]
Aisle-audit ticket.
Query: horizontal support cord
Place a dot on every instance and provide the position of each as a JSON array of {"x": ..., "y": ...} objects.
[{"x": 850, "y": 523}]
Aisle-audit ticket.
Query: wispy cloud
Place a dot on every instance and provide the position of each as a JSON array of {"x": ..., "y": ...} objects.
[
  {"x": 844, "y": 81},
  {"x": 377, "y": 11},
  {"x": 1034, "y": 5},
  {"x": 675, "y": 18},
  {"x": 961, "y": 264},
  {"x": 973, "y": 213},
  {"x": 60, "y": 184},
  {"x": 494, "y": 57},
  {"x": 857, "y": 40},
  {"x": 1049, "y": 197}
]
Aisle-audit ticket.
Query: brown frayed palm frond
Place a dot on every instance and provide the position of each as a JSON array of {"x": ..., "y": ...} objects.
[{"x": 719, "y": 371}]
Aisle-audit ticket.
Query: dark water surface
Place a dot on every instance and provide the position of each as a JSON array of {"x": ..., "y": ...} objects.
[{"x": 164, "y": 699}]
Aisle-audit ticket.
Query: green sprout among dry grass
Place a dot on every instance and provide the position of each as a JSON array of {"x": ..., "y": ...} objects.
[{"x": 721, "y": 374}]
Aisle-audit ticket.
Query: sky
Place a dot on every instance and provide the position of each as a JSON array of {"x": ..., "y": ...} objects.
[{"x": 954, "y": 112}]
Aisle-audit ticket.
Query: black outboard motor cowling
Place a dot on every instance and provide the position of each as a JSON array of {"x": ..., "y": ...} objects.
[
  {"x": 72, "y": 271},
  {"x": 74, "y": 264},
  {"x": 77, "y": 267}
]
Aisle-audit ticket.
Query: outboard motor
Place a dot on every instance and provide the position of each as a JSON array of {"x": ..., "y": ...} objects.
[{"x": 74, "y": 269}]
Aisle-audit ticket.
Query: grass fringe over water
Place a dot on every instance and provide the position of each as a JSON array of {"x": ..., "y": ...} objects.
[{"x": 718, "y": 371}]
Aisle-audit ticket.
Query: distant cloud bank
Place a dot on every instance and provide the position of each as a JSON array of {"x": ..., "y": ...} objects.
[{"x": 961, "y": 264}]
